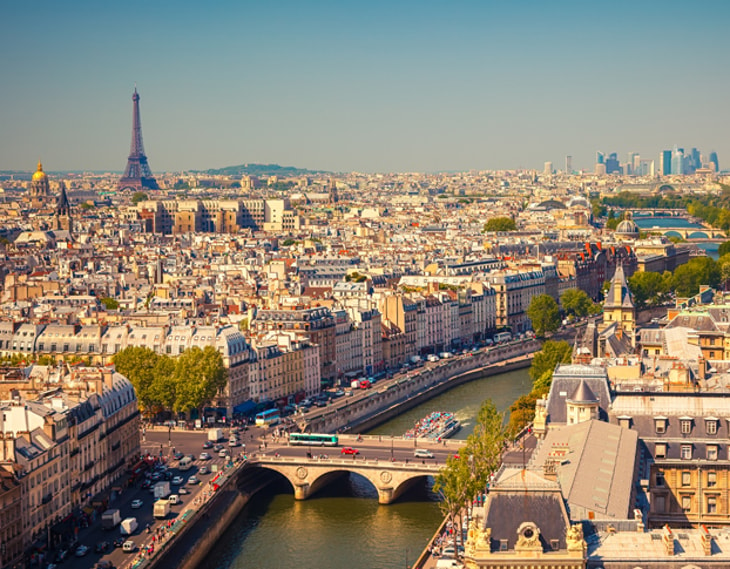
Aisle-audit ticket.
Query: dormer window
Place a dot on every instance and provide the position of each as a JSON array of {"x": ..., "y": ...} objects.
[
  {"x": 624, "y": 421},
  {"x": 711, "y": 425},
  {"x": 686, "y": 425},
  {"x": 660, "y": 425}
]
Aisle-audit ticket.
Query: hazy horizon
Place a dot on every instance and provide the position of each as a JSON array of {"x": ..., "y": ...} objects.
[{"x": 411, "y": 86}]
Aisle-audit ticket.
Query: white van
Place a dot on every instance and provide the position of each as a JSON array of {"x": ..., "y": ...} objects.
[
  {"x": 422, "y": 453},
  {"x": 174, "y": 499},
  {"x": 128, "y": 547}
]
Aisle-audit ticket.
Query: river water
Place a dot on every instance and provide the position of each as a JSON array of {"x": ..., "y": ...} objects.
[{"x": 344, "y": 526}]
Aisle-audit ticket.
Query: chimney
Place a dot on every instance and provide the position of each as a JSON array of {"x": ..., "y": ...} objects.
[
  {"x": 706, "y": 540},
  {"x": 668, "y": 540},
  {"x": 639, "y": 518},
  {"x": 702, "y": 364}
]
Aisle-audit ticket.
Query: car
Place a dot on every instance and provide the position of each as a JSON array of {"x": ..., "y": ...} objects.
[
  {"x": 422, "y": 453},
  {"x": 101, "y": 547},
  {"x": 233, "y": 443},
  {"x": 81, "y": 550},
  {"x": 204, "y": 470},
  {"x": 178, "y": 480},
  {"x": 218, "y": 448},
  {"x": 204, "y": 456},
  {"x": 104, "y": 564},
  {"x": 207, "y": 444},
  {"x": 146, "y": 484},
  {"x": 223, "y": 453},
  {"x": 183, "y": 490},
  {"x": 118, "y": 542},
  {"x": 349, "y": 450},
  {"x": 321, "y": 403},
  {"x": 136, "y": 504},
  {"x": 177, "y": 455},
  {"x": 193, "y": 480},
  {"x": 61, "y": 556}
]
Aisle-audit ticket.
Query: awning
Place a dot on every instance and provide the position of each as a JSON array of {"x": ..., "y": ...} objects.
[{"x": 245, "y": 407}]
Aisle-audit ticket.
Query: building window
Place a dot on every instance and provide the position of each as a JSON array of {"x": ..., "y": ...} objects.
[
  {"x": 660, "y": 450},
  {"x": 659, "y": 504},
  {"x": 686, "y": 426},
  {"x": 686, "y": 452},
  {"x": 686, "y": 504},
  {"x": 659, "y": 478},
  {"x": 686, "y": 478},
  {"x": 711, "y": 426},
  {"x": 711, "y": 479},
  {"x": 711, "y": 452},
  {"x": 660, "y": 426},
  {"x": 711, "y": 504}
]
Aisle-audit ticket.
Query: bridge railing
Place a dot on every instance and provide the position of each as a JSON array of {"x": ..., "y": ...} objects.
[{"x": 353, "y": 463}]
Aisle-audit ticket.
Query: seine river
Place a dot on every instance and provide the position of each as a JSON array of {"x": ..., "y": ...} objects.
[
  {"x": 649, "y": 222},
  {"x": 343, "y": 526}
]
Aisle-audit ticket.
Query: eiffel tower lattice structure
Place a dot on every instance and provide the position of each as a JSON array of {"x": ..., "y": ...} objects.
[{"x": 137, "y": 175}]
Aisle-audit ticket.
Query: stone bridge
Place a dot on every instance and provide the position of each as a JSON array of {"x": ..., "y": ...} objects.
[
  {"x": 307, "y": 476},
  {"x": 690, "y": 233}
]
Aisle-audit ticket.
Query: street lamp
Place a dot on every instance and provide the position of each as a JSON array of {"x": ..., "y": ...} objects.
[{"x": 391, "y": 448}]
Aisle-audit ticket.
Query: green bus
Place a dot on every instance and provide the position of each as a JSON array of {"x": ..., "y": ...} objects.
[{"x": 313, "y": 439}]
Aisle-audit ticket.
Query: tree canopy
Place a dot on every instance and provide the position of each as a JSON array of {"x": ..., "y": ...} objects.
[
  {"x": 500, "y": 224},
  {"x": 544, "y": 314},
  {"x": 724, "y": 249},
  {"x": 109, "y": 303},
  {"x": 650, "y": 289},
  {"x": 698, "y": 271},
  {"x": 577, "y": 303},
  {"x": 188, "y": 382},
  {"x": 138, "y": 197},
  {"x": 551, "y": 354}
]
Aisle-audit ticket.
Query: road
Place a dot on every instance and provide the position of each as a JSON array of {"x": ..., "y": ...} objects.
[{"x": 187, "y": 442}]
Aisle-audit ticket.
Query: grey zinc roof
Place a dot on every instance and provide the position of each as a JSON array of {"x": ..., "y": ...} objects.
[
  {"x": 508, "y": 508},
  {"x": 583, "y": 394},
  {"x": 566, "y": 379},
  {"x": 595, "y": 463}
]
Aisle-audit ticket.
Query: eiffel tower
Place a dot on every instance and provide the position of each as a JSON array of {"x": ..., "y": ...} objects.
[{"x": 137, "y": 175}]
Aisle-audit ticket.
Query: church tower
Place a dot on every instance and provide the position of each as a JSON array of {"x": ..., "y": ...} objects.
[{"x": 619, "y": 307}]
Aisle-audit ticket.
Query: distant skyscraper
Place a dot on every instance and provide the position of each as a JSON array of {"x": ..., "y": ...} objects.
[
  {"x": 600, "y": 158},
  {"x": 694, "y": 161},
  {"x": 612, "y": 164},
  {"x": 665, "y": 162},
  {"x": 548, "y": 168},
  {"x": 137, "y": 175},
  {"x": 568, "y": 164},
  {"x": 678, "y": 161},
  {"x": 713, "y": 160}
]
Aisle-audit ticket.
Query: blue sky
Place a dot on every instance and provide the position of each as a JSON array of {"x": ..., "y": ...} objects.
[{"x": 367, "y": 86}]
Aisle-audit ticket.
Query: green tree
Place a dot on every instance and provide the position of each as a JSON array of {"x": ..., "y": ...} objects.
[
  {"x": 577, "y": 303},
  {"x": 648, "y": 288},
  {"x": 521, "y": 413},
  {"x": 138, "y": 365},
  {"x": 485, "y": 445},
  {"x": 163, "y": 391},
  {"x": 544, "y": 314},
  {"x": 109, "y": 303},
  {"x": 724, "y": 264},
  {"x": 139, "y": 197},
  {"x": 698, "y": 271},
  {"x": 199, "y": 375},
  {"x": 500, "y": 224},
  {"x": 454, "y": 485},
  {"x": 724, "y": 249},
  {"x": 551, "y": 354}
]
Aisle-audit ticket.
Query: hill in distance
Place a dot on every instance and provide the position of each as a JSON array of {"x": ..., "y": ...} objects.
[{"x": 261, "y": 170}]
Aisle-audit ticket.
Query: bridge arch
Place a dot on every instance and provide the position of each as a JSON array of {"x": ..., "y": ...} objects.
[
  {"x": 673, "y": 233},
  {"x": 698, "y": 235},
  {"x": 390, "y": 480}
]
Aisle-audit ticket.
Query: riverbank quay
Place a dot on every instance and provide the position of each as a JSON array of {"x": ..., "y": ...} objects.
[
  {"x": 369, "y": 408},
  {"x": 183, "y": 542}
]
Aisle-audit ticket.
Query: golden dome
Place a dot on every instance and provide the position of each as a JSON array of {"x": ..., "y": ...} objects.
[{"x": 39, "y": 174}]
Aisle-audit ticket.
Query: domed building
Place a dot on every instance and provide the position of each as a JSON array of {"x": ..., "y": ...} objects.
[
  {"x": 627, "y": 229},
  {"x": 40, "y": 188}
]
